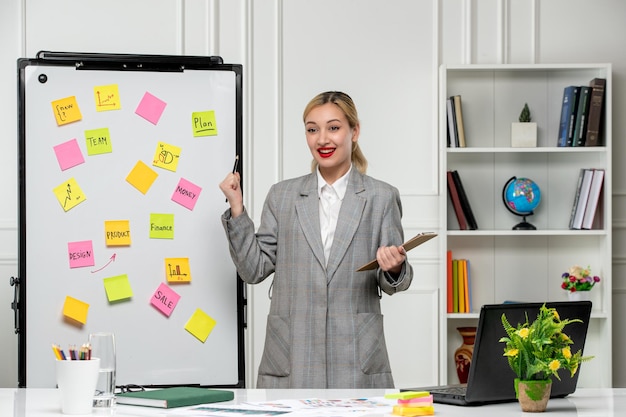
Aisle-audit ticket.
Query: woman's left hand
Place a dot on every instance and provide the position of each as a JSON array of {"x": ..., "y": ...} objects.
[{"x": 391, "y": 258}]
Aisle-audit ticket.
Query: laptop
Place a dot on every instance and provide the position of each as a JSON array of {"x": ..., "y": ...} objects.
[{"x": 490, "y": 378}]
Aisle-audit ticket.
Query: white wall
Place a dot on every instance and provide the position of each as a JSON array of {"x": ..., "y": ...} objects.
[{"x": 384, "y": 53}]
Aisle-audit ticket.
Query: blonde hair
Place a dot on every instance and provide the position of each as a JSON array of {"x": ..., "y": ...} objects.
[{"x": 345, "y": 103}]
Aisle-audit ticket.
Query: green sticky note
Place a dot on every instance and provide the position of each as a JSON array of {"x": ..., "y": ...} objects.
[
  {"x": 203, "y": 123},
  {"x": 98, "y": 141},
  {"x": 161, "y": 226},
  {"x": 118, "y": 288}
]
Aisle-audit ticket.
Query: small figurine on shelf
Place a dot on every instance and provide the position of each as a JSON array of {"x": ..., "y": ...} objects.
[{"x": 524, "y": 132}]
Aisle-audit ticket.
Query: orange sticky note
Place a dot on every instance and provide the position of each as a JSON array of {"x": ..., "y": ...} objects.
[
  {"x": 117, "y": 232},
  {"x": 200, "y": 325},
  {"x": 177, "y": 270},
  {"x": 75, "y": 309},
  {"x": 66, "y": 110},
  {"x": 117, "y": 288},
  {"x": 141, "y": 177}
]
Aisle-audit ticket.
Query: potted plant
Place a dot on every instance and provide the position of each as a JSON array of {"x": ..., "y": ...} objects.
[
  {"x": 536, "y": 351},
  {"x": 578, "y": 282},
  {"x": 524, "y": 132}
]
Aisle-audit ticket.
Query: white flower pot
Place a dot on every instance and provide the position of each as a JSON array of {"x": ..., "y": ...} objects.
[
  {"x": 523, "y": 134},
  {"x": 579, "y": 295}
]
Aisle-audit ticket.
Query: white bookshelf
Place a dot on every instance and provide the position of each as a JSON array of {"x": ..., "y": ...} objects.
[{"x": 511, "y": 264}]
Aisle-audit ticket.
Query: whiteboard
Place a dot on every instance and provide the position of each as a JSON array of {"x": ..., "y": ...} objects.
[{"x": 154, "y": 347}]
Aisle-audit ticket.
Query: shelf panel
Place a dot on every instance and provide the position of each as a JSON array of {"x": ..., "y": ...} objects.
[
  {"x": 539, "y": 149},
  {"x": 559, "y": 232}
]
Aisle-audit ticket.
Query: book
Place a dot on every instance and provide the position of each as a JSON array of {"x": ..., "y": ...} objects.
[
  {"x": 460, "y": 128},
  {"x": 174, "y": 397},
  {"x": 456, "y": 202},
  {"x": 594, "y": 195},
  {"x": 571, "y": 122},
  {"x": 569, "y": 101},
  {"x": 465, "y": 204},
  {"x": 455, "y": 286},
  {"x": 461, "y": 279},
  {"x": 581, "y": 204},
  {"x": 576, "y": 197},
  {"x": 580, "y": 128},
  {"x": 468, "y": 285},
  {"x": 451, "y": 118},
  {"x": 408, "y": 245},
  {"x": 596, "y": 110},
  {"x": 449, "y": 295}
]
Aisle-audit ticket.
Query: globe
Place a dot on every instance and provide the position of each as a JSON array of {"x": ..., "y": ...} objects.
[{"x": 521, "y": 196}]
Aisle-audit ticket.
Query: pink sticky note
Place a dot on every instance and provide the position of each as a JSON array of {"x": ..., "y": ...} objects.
[
  {"x": 80, "y": 254},
  {"x": 165, "y": 299},
  {"x": 151, "y": 108},
  {"x": 186, "y": 194},
  {"x": 69, "y": 154}
]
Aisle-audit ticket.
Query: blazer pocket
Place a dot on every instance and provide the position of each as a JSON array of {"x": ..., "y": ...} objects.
[
  {"x": 276, "y": 352},
  {"x": 371, "y": 341}
]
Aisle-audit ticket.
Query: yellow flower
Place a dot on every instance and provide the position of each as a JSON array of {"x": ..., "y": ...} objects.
[
  {"x": 556, "y": 315},
  {"x": 511, "y": 352},
  {"x": 523, "y": 333},
  {"x": 554, "y": 365},
  {"x": 567, "y": 353}
]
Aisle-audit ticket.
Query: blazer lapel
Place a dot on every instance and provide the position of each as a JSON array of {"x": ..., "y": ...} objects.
[
  {"x": 307, "y": 209},
  {"x": 348, "y": 221}
]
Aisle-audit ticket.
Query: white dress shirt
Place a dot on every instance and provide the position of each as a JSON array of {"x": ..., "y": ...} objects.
[{"x": 331, "y": 197}]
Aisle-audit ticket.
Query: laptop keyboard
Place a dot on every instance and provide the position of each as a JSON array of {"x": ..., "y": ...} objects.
[{"x": 450, "y": 390}]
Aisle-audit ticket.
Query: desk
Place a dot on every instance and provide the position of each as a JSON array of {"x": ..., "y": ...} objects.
[{"x": 44, "y": 402}]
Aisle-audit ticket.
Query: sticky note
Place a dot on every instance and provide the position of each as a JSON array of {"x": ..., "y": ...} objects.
[
  {"x": 427, "y": 400},
  {"x": 98, "y": 141},
  {"x": 150, "y": 108},
  {"x": 80, "y": 254},
  {"x": 165, "y": 299},
  {"x": 166, "y": 156},
  {"x": 117, "y": 232},
  {"x": 161, "y": 226},
  {"x": 203, "y": 123},
  {"x": 405, "y": 395},
  {"x": 398, "y": 410},
  {"x": 75, "y": 309},
  {"x": 117, "y": 288},
  {"x": 66, "y": 110},
  {"x": 68, "y": 154},
  {"x": 186, "y": 194},
  {"x": 177, "y": 270},
  {"x": 200, "y": 325},
  {"x": 107, "y": 97},
  {"x": 141, "y": 177},
  {"x": 69, "y": 194}
]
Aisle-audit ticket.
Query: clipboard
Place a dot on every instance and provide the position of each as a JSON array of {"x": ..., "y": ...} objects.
[{"x": 408, "y": 245}]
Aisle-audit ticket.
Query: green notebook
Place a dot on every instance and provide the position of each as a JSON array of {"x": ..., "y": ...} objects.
[{"x": 174, "y": 397}]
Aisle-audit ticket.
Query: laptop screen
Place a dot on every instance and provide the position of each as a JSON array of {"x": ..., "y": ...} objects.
[{"x": 490, "y": 378}]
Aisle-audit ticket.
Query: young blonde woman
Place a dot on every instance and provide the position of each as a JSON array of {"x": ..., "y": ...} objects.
[{"x": 325, "y": 327}]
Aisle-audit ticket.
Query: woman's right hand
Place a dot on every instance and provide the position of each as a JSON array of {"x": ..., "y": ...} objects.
[{"x": 231, "y": 187}]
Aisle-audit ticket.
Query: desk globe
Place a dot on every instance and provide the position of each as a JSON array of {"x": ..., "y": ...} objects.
[{"x": 521, "y": 196}]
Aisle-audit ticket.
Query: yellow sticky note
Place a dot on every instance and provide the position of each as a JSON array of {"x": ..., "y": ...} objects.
[
  {"x": 200, "y": 325},
  {"x": 117, "y": 288},
  {"x": 66, "y": 110},
  {"x": 69, "y": 194},
  {"x": 161, "y": 226},
  {"x": 203, "y": 123},
  {"x": 107, "y": 97},
  {"x": 98, "y": 141},
  {"x": 117, "y": 232},
  {"x": 141, "y": 177},
  {"x": 75, "y": 309},
  {"x": 166, "y": 156},
  {"x": 177, "y": 270}
]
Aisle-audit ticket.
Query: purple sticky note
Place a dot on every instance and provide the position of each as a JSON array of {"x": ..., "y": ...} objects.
[
  {"x": 165, "y": 299},
  {"x": 69, "y": 154},
  {"x": 186, "y": 194},
  {"x": 81, "y": 254},
  {"x": 151, "y": 108}
]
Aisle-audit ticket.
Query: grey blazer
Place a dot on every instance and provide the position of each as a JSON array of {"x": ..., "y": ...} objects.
[{"x": 325, "y": 327}]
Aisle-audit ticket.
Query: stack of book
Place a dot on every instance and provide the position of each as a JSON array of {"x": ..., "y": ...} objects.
[
  {"x": 459, "y": 288},
  {"x": 581, "y": 114},
  {"x": 456, "y": 129},
  {"x": 587, "y": 206},
  {"x": 460, "y": 203},
  {"x": 412, "y": 403}
]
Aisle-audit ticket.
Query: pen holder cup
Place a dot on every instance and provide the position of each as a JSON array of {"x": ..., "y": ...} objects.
[{"x": 76, "y": 380}]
